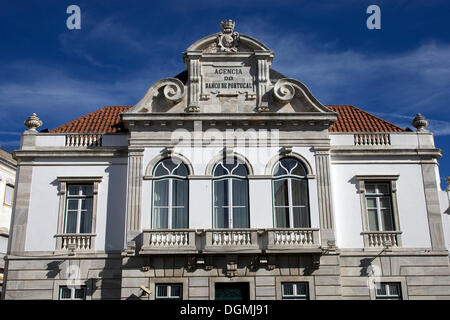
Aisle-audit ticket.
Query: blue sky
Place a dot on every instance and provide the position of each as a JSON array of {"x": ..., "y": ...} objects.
[{"x": 123, "y": 47}]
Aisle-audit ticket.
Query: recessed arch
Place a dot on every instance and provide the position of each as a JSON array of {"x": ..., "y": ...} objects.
[
  {"x": 151, "y": 165},
  {"x": 276, "y": 158},
  {"x": 219, "y": 157}
]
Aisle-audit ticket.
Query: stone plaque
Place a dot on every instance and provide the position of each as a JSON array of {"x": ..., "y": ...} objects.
[{"x": 227, "y": 79}]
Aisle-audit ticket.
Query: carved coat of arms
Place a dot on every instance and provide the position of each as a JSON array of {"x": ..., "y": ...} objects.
[{"x": 228, "y": 40}]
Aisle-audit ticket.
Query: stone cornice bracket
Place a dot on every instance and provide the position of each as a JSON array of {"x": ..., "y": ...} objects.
[
  {"x": 167, "y": 151},
  {"x": 173, "y": 89},
  {"x": 420, "y": 123},
  {"x": 33, "y": 122}
]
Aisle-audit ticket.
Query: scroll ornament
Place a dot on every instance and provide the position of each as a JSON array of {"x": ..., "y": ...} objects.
[{"x": 173, "y": 89}]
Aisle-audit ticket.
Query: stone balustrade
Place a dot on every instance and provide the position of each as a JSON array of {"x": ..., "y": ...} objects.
[
  {"x": 84, "y": 140},
  {"x": 75, "y": 241},
  {"x": 381, "y": 239},
  {"x": 372, "y": 139},
  {"x": 170, "y": 240}
]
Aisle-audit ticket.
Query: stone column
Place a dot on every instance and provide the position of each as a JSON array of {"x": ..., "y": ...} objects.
[
  {"x": 325, "y": 197},
  {"x": 134, "y": 194}
]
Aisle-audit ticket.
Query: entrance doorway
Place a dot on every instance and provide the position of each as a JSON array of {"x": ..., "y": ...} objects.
[{"x": 239, "y": 291}]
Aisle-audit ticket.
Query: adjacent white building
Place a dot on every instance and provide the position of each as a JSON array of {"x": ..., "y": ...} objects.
[
  {"x": 229, "y": 180},
  {"x": 7, "y": 182}
]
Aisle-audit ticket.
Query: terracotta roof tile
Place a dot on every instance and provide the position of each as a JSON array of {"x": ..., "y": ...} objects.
[{"x": 107, "y": 120}]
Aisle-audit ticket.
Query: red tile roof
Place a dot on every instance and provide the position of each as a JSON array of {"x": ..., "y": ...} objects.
[
  {"x": 104, "y": 120},
  {"x": 107, "y": 120},
  {"x": 353, "y": 119}
]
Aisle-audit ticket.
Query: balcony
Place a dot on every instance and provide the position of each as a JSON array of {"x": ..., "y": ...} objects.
[
  {"x": 382, "y": 239},
  {"x": 232, "y": 240},
  {"x": 75, "y": 241},
  {"x": 168, "y": 241},
  {"x": 293, "y": 240},
  {"x": 189, "y": 241}
]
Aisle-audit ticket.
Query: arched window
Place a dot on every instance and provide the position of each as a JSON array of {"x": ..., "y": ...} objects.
[
  {"x": 230, "y": 187},
  {"x": 290, "y": 194},
  {"x": 170, "y": 195}
]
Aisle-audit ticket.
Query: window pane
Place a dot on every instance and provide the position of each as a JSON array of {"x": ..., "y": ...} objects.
[
  {"x": 221, "y": 218},
  {"x": 299, "y": 170},
  {"x": 289, "y": 163},
  {"x": 161, "y": 290},
  {"x": 71, "y": 223},
  {"x": 160, "y": 218},
  {"x": 221, "y": 193},
  {"x": 240, "y": 218},
  {"x": 180, "y": 193},
  {"x": 73, "y": 190},
  {"x": 279, "y": 170},
  {"x": 383, "y": 188},
  {"x": 220, "y": 171},
  {"x": 240, "y": 192},
  {"x": 160, "y": 170},
  {"x": 282, "y": 217},
  {"x": 72, "y": 204},
  {"x": 302, "y": 289},
  {"x": 370, "y": 188},
  {"x": 175, "y": 290},
  {"x": 64, "y": 293},
  {"x": 301, "y": 217},
  {"x": 394, "y": 289},
  {"x": 240, "y": 170},
  {"x": 388, "y": 221},
  {"x": 288, "y": 289},
  {"x": 299, "y": 192},
  {"x": 373, "y": 220},
  {"x": 9, "y": 191},
  {"x": 371, "y": 203},
  {"x": 86, "y": 190},
  {"x": 80, "y": 293},
  {"x": 170, "y": 164},
  {"x": 181, "y": 170},
  {"x": 161, "y": 193},
  {"x": 86, "y": 216},
  {"x": 381, "y": 289},
  {"x": 179, "y": 218},
  {"x": 280, "y": 195}
]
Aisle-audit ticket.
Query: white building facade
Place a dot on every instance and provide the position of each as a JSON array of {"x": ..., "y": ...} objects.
[
  {"x": 7, "y": 183},
  {"x": 229, "y": 181}
]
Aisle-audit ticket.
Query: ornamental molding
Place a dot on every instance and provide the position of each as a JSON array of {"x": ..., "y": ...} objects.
[{"x": 228, "y": 39}]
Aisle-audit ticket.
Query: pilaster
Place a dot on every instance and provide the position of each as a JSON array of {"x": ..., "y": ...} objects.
[
  {"x": 134, "y": 193},
  {"x": 327, "y": 234}
]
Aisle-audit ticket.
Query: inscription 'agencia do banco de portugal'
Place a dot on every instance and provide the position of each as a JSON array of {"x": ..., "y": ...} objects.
[{"x": 227, "y": 80}]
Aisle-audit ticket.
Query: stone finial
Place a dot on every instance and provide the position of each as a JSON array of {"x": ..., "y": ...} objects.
[
  {"x": 33, "y": 122},
  {"x": 420, "y": 123}
]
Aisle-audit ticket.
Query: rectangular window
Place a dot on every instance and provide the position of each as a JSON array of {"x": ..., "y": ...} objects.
[
  {"x": 379, "y": 207},
  {"x": 169, "y": 291},
  {"x": 388, "y": 291},
  {"x": 294, "y": 291},
  {"x": 79, "y": 209},
  {"x": 9, "y": 195},
  {"x": 72, "y": 293}
]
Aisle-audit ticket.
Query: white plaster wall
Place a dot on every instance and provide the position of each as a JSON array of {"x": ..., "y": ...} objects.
[
  {"x": 410, "y": 197},
  {"x": 6, "y": 175},
  {"x": 44, "y": 204},
  {"x": 200, "y": 190}
]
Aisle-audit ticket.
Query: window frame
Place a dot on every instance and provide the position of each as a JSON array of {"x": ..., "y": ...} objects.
[
  {"x": 63, "y": 193},
  {"x": 388, "y": 296},
  {"x": 10, "y": 185},
  {"x": 72, "y": 292},
  {"x": 79, "y": 199},
  {"x": 170, "y": 177},
  {"x": 169, "y": 291},
  {"x": 392, "y": 181},
  {"x": 229, "y": 178},
  {"x": 289, "y": 177},
  {"x": 377, "y": 196},
  {"x": 295, "y": 296}
]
